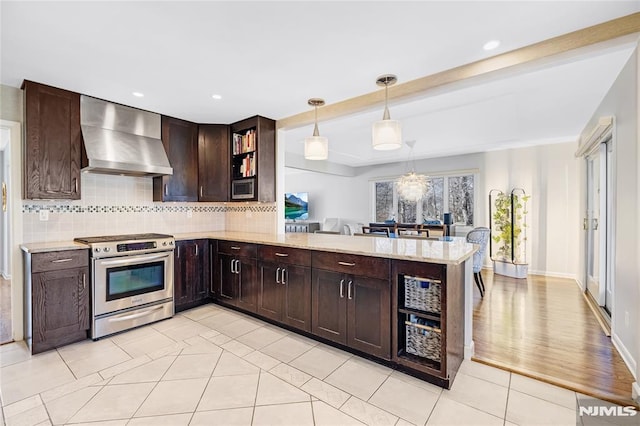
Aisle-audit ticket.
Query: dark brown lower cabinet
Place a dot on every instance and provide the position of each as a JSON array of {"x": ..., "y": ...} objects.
[
  {"x": 352, "y": 310},
  {"x": 236, "y": 281},
  {"x": 58, "y": 298},
  {"x": 285, "y": 294},
  {"x": 191, "y": 273}
]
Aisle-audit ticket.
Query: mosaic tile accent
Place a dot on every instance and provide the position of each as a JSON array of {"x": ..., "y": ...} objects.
[{"x": 67, "y": 208}]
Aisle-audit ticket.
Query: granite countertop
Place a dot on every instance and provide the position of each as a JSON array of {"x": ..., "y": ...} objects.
[
  {"x": 451, "y": 252},
  {"x": 52, "y": 246}
]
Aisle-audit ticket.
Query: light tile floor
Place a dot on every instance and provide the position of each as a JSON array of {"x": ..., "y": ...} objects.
[{"x": 213, "y": 366}]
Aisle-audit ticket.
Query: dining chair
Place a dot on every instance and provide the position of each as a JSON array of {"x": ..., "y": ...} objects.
[
  {"x": 380, "y": 232},
  {"x": 479, "y": 236}
]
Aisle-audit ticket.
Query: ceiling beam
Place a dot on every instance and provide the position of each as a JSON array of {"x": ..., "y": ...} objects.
[{"x": 579, "y": 39}]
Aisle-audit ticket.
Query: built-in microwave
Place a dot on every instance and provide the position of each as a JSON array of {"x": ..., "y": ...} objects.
[{"x": 242, "y": 189}]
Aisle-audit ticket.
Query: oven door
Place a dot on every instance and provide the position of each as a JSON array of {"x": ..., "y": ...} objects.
[{"x": 128, "y": 281}]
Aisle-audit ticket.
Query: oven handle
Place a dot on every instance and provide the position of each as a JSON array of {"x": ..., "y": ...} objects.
[
  {"x": 136, "y": 315},
  {"x": 135, "y": 259}
]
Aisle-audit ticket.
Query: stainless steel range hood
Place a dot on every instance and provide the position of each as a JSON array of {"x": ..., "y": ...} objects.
[{"x": 122, "y": 140}]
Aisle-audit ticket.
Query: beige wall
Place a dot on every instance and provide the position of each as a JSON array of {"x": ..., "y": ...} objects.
[{"x": 11, "y": 104}]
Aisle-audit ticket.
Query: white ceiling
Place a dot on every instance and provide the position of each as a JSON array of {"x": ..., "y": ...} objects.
[{"x": 268, "y": 58}]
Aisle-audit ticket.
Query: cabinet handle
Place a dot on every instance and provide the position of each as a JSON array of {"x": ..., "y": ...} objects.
[
  {"x": 346, "y": 264},
  {"x": 196, "y": 246},
  {"x": 200, "y": 191},
  {"x": 61, "y": 260},
  {"x": 166, "y": 189},
  {"x": 75, "y": 184},
  {"x": 278, "y": 276},
  {"x": 178, "y": 255},
  {"x": 283, "y": 278},
  {"x": 233, "y": 268},
  {"x": 84, "y": 280},
  {"x": 341, "y": 289},
  {"x": 235, "y": 248},
  {"x": 282, "y": 255},
  {"x": 349, "y": 295},
  {"x": 238, "y": 266}
]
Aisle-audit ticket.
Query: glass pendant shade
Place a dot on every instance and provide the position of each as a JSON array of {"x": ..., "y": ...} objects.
[
  {"x": 412, "y": 186},
  {"x": 316, "y": 148},
  {"x": 387, "y": 135}
]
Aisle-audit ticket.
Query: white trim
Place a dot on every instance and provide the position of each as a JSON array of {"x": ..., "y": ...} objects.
[
  {"x": 624, "y": 353},
  {"x": 552, "y": 274},
  {"x": 6, "y": 276},
  {"x": 597, "y": 135},
  {"x": 635, "y": 391},
  {"x": 16, "y": 236}
]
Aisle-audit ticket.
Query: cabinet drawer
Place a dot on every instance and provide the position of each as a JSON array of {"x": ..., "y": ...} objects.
[
  {"x": 237, "y": 249},
  {"x": 374, "y": 267},
  {"x": 58, "y": 260},
  {"x": 288, "y": 255},
  {"x": 419, "y": 269}
]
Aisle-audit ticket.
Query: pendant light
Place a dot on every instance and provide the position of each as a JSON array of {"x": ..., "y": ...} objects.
[
  {"x": 387, "y": 134},
  {"x": 316, "y": 147},
  {"x": 412, "y": 186}
]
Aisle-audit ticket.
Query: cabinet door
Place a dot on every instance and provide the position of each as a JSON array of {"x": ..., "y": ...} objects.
[
  {"x": 368, "y": 316},
  {"x": 53, "y": 143},
  {"x": 180, "y": 140},
  {"x": 213, "y": 162},
  {"x": 270, "y": 291},
  {"x": 60, "y": 308},
  {"x": 329, "y": 305},
  {"x": 226, "y": 278},
  {"x": 183, "y": 280},
  {"x": 200, "y": 270},
  {"x": 296, "y": 309},
  {"x": 247, "y": 285}
]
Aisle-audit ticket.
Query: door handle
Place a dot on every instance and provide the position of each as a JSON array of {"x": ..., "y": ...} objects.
[
  {"x": 595, "y": 224},
  {"x": 341, "y": 289},
  {"x": 278, "y": 276},
  {"x": 349, "y": 294},
  {"x": 283, "y": 276},
  {"x": 585, "y": 223}
]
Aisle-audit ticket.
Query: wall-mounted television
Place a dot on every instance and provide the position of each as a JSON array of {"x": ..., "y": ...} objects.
[{"x": 296, "y": 205}]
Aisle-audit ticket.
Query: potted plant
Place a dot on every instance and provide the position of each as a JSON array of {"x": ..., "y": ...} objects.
[{"x": 508, "y": 213}]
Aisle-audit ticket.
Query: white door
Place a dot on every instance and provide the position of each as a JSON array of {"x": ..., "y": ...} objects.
[{"x": 596, "y": 224}]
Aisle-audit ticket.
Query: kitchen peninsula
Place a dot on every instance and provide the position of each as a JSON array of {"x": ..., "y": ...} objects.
[{"x": 400, "y": 302}]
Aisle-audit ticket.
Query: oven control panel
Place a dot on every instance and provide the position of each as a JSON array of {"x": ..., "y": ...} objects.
[{"x": 124, "y": 248}]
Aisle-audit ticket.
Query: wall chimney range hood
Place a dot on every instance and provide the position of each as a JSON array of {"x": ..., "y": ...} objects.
[{"x": 122, "y": 140}]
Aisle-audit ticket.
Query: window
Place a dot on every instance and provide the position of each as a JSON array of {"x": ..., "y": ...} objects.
[{"x": 454, "y": 194}]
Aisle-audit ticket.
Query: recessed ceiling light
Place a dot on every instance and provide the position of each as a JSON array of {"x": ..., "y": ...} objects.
[
  {"x": 490, "y": 45},
  {"x": 138, "y": 94},
  {"x": 216, "y": 96}
]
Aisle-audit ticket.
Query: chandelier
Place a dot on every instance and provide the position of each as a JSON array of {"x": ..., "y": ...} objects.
[{"x": 412, "y": 186}]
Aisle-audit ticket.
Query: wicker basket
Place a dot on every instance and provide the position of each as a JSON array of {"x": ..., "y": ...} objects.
[
  {"x": 422, "y": 294},
  {"x": 424, "y": 343}
]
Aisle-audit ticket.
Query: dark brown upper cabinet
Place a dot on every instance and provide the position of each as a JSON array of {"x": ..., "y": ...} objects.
[
  {"x": 213, "y": 162},
  {"x": 253, "y": 160},
  {"x": 180, "y": 140},
  {"x": 53, "y": 144}
]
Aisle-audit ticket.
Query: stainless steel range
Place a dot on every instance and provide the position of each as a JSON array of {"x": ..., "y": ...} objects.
[{"x": 131, "y": 281}]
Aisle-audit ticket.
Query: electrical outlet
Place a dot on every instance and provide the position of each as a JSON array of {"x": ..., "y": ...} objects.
[
  {"x": 189, "y": 214},
  {"x": 44, "y": 215},
  {"x": 626, "y": 318}
]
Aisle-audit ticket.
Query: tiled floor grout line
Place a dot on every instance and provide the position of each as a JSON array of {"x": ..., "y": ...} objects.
[
  {"x": 205, "y": 386},
  {"x": 434, "y": 407},
  {"x": 255, "y": 397},
  {"x": 506, "y": 405}
]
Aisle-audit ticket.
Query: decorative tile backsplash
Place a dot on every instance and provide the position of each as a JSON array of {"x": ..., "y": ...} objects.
[{"x": 113, "y": 205}]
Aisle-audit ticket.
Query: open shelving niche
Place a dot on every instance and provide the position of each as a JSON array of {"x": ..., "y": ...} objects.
[
  {"x": 420, "y": 338},
  {"x": 244, "y": 154}
]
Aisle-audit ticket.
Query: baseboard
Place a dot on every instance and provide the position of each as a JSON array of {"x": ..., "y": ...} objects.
[
  {"x": 6, "y": 277},
  {"x": 605, "y": 323},
  {"x": 625, "y": 354},
  {"x": 554, "y": 274}
]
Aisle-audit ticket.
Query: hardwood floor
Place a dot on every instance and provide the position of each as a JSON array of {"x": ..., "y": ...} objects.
[
  {"x": 542, "y": 327},
  {"x": 5, "y": 311}
]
